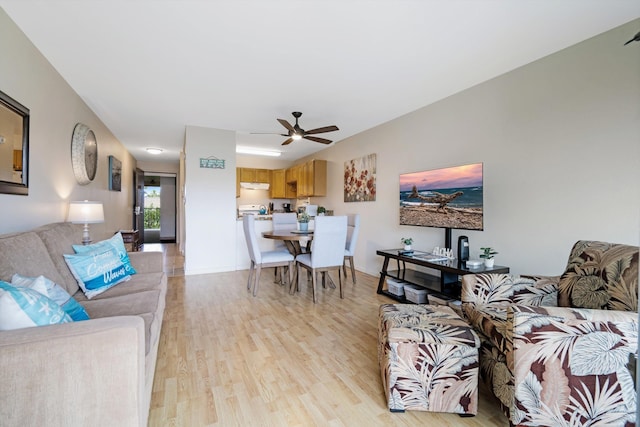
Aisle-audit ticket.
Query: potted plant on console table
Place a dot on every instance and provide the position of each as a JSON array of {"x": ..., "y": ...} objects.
[
  {"x": 303, "y": 221},
  {"x": 407, "y": 241},
  {"x": 488, "y": 254}
]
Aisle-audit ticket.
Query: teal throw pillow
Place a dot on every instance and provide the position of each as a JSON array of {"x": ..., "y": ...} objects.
[
  {"x": 25, "y": 307},
  {"x": 114, "y": 242},
  {"x": 53, "y": 291},
  {"x": 97, "y": 271}
]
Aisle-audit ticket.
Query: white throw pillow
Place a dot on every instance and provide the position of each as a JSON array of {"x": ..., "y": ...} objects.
[
  {"x": 25, "y": 307},
  {"x": 53, "y": 291}
]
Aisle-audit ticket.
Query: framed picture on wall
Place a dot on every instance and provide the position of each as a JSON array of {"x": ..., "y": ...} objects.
[
  {"x": 360, "y": 179},
  {"x": 115, "y": 174}
]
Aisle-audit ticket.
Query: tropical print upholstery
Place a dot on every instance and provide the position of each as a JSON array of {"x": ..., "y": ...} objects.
[
  {"x": 428, "y": 359},
  {"x": 602, "y": 276},
  {"x": 560, "y": 366}
]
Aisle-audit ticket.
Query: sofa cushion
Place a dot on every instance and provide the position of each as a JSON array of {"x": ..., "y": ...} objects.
[
  {"x": 146, "y": 304},
  {"x": 139, "y": 283},
  {"x": 491, "y": 321},
  {"x": 26, "y": 254},
  {"x": 22, "y": 307},
  {"x": 97, "y": 271},
  {"x": 602, "y": 276},
  {"x": 53, "y": 291},
  {"x": 58, "y": 238}
]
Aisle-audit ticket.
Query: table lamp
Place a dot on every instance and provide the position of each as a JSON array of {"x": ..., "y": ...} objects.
[{"x": 85, "y": 212}]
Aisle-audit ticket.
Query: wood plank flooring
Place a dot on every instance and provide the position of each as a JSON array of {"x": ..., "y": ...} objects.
[{"x": 229, "y": 359}]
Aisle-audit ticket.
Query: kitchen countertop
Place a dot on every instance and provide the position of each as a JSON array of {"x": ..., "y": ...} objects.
[{"x": 259, "y": 218}]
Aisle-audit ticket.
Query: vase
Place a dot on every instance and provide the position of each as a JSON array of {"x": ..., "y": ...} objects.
[
  {"x": 488, "y": 262},
  {"x": 407, "y": 247},
  {"x": 304, "y": 226}
]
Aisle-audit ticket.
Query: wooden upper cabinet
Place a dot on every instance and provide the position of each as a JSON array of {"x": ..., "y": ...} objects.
[
  {"x": 291, "y": 174},
  {"x": 255, "y": 175},
  {"x": 263, "y": 175},
  {"x": 312, "y": 179},
  {"x": 304, "y": 180},
  {"x": 237, "y": 182},
  {"x": 277, "y": 189}
]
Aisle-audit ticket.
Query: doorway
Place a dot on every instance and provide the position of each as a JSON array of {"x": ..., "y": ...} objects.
[{"x": 159, "y": 208}]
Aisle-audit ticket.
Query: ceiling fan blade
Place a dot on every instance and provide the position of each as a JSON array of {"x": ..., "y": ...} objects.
[
  {"x": 288, "y": 141},
  {"x": 322, "y": 130},
  {"x": 316, "y": 139},
  {"x": 287, "y": 125}
]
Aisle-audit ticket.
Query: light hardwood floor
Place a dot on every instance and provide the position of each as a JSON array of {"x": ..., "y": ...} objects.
[{"x": 229, "y": 359}]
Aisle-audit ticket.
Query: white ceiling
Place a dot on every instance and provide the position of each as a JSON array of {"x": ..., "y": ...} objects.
[{"x": 148, "y": 68}]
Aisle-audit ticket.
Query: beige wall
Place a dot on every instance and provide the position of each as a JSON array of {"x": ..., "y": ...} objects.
[
  {"x": 560, "y": 143},
  {"x": 55, "y": 108}
]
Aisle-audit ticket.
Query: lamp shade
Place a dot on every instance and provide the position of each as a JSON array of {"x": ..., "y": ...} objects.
[{"x": 85, "y": 212}]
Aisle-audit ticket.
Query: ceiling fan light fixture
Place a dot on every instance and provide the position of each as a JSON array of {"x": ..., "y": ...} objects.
[
  {"x": 154, "y": 151},
  {"x": 296, "y": 136},
  {"x": 257, "y": 151}
]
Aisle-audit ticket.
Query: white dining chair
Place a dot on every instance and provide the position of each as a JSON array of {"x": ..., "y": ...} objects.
[
  {"x": 283, "y": 221},
  {"x": 353, "y": 229},
  {"x": 327, "y": 250},
  {"x": 259, "y": 259}
]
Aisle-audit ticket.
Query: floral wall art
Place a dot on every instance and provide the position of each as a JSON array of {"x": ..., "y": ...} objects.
[{"x": 360, "y": 179}]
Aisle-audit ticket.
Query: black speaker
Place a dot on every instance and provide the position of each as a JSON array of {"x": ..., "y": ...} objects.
[{"x": 463, "y": 248}]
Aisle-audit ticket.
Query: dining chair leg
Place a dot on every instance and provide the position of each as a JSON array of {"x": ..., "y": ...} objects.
[
  {"x": 250, "y": 275},
  {"x": 353, "y": 270},
  {"x": 344, "y": 266},
  {"x": 314, "y": 279},
  {"x": 257, "y": 280},
  {"x": 295, "y": 281},
  {"x": 340, "y": 283},
  {"x": 289, "y": 273}
]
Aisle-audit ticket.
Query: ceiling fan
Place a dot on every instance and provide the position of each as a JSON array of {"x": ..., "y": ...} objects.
[{"x": 295, "y": 132}]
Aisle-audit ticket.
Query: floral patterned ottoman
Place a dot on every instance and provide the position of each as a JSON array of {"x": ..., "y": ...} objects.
[{"x": 428, "y": 359}]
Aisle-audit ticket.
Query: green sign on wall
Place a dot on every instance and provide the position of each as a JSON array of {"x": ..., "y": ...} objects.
[{"x": 211, "y": 163}]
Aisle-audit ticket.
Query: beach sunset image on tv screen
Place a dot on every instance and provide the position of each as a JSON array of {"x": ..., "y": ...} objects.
[{"x": 448, "y": 198}]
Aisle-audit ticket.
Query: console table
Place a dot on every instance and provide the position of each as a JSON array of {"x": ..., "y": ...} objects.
[
  {"x": 447, "y": 283},
  {"x": 131, "y": 237}
]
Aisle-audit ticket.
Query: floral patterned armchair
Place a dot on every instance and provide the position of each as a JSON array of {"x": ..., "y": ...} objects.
[{"x": 555, "y": 350}]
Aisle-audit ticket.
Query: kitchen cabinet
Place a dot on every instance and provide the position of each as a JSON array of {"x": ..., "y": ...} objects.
[
  {"x": 312, "y": 179},
  {"x": 263, "y": 175},
  {"x": 237, "y": 182},
  {"x": 291, "y": 177},
  {"x": 277, "y": 189},
  {"x": 254, "y": 175}
]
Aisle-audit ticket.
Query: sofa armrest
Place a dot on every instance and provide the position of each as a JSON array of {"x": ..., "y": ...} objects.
[
  {"x": 493, "y": 288},
  {"x": 572, "y": 362},
  {"x": 146, "y": 262},
  {"x": 88, "y": 373}
]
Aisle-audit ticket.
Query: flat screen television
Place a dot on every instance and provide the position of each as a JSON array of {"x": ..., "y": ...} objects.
[{"x": 448, "y": 198}]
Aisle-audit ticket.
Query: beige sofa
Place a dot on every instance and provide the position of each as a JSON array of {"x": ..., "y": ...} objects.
[{"x": 97, "y": 372}]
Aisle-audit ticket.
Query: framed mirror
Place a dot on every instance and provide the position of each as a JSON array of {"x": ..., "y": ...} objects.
[{"x": 14, "y": 146}]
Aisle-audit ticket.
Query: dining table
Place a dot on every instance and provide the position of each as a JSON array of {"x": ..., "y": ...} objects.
[{"x": 294, "y": 240}]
